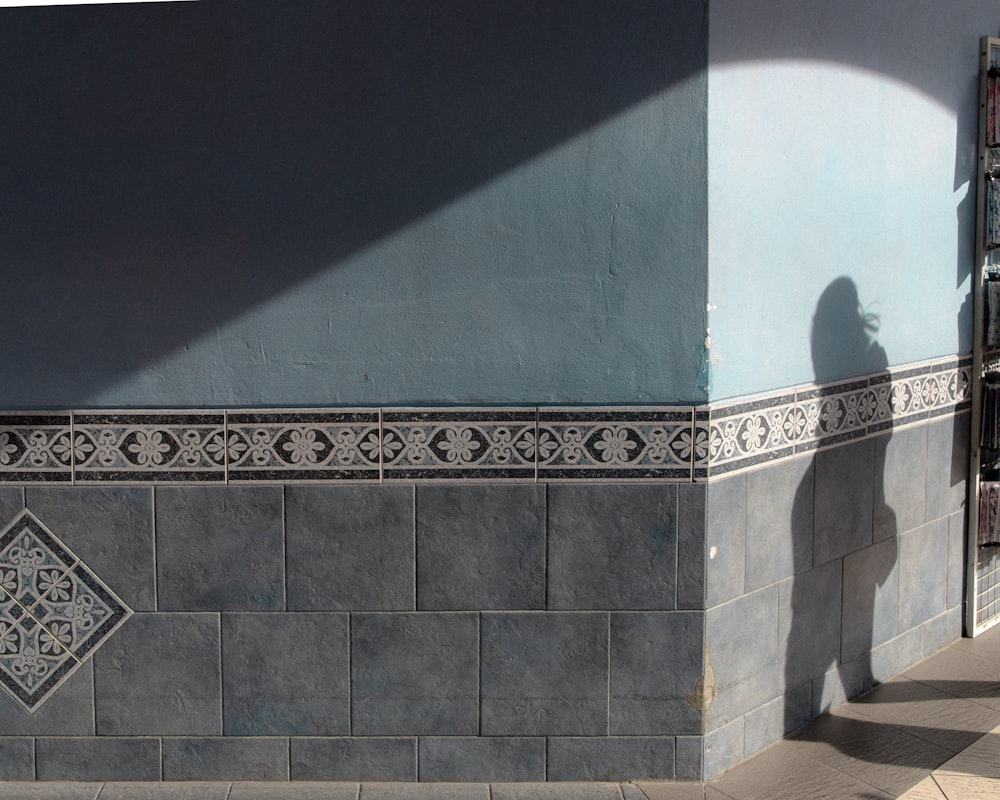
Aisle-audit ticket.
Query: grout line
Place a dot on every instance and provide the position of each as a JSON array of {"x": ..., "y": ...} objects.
[
  {"x": 156, "y": 542},
  {"x": 545, "y": 548},
  {"x": 284, "y": 547},
  {"x": 479, "y": 672},
  {"x": 350, "y": 681},
  {"x": 414, "y": 527},
  {"x": 608, "y": 708}
]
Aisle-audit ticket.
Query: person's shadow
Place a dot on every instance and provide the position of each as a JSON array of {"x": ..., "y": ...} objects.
[{"x": 833, "y": 594}]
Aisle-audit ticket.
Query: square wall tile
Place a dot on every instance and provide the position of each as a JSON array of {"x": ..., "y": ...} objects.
[
  {"x": 350, "y": 548},
  {"x": 947, "y": 465},
  {"x": 415, "y": 674},
  {"x": 286, "y": 674},
  {"x": 482, "y": 759},
  {"x": 160, "y": 675},
  {"x": 17, "y": 758},
  {"x": 725, "y": 537},
  {"x": 97, "y": 758},
  {"x": 779, "y": 521},
  {"x": 544, "y": 674},
  {"x": 464, "y": 444},
  {"x": 480, "y": 547},
  {"x": 220, "y": 548},
  {"x": 810, "y": 623},
  {"x": 923, "y": 573},
  {"x": 39, "y": 448},
  {"x": 289, "y": 446},
  {"x": 354, "y": 758},
  {"x": 742, "y": 655},
  {"x": 871, "y": 588},
  {"x": 228, "y": 758},
  {"x": 899, "y": 493},
  {"x": 111, "y": 529},
  {"x": 626, "y": 444},
  {"x": 844, "y": 498},
  {"x": 153, "y": 446},
  {"x": 691, "y": 550},
  {"x": 612, "y": 547},
  {"x": 657, "y": 668},
  {"x": 618, "y": 758}
]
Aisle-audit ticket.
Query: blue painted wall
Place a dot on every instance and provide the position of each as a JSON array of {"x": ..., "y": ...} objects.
[
  {"x": 232, "y": 204},
  {"x": 842, "y": 139}
]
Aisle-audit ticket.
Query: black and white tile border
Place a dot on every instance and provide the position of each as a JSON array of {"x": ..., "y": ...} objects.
[{"x": 679, "y": 444}]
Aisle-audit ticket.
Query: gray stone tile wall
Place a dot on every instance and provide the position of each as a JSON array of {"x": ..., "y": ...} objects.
[
  {"x": 862, "y": 546},
  {"x": 502, "y": 632}
]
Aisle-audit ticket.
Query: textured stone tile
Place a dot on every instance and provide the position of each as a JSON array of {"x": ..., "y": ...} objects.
[
  {"x": 692, "y": 550},
  {"x": 897, "y": 655},
  {"x": 956, "y": 559},
  {"x": 947, "y": 465},
  {"x": 657, "y": 660},
  {"x": 350, "y": 548},
  {"x": 899, "y": 496},
  {"x": 961, "y": 673},
  {"x": 110, "y": 529},
  {"x": 943, "y": 630},
  {"x": 612, "y": 547},
  {"x": 17, "y": 758},
  {"x": 353, "y": 759},
  {"x": 482, "y": 759},
  {"x": 11, "y": 503},
  {"x": 172, "y": 790},
  {"x": 668, "y": 790},
  {"x": 298, "y": 790},
  {"x": 286, "y": 674},
  {"x": 97, "y": 758},
  {"x": 219, "y": 548},
  {"x": 843, "y": 500},
  {"x": 54, "y": 790},
  {"x": 555, "y": 791},
  {"x": 425, "y": 791},
  {"x": 415, "y": 674},
  {"x": 616, "y": 758},
  {"x": 544, "y": 674},
  {"x": 160, "y": 675},
  {"x": 968, "y": 787},
  {"x": 689, "y": 758},
  {"x": 726, "y": 539},
  {"x": 923, "y": 573},
  {"x": 70, "y": 714},
  {"x": 742, "y": 648},
  {"x": 809, "y": 622},
  {"x": 871, "y": 583},
  {"x": 927, "y": 789},
  {"x": 724, "y": 747},
  {"x": 779, "y": 524},
  {"x": 770, "y": 722},
  {"x": 480, "y": 547},
  {"x": 230, "y": 758},
  {"x": 982, "y": 758}
]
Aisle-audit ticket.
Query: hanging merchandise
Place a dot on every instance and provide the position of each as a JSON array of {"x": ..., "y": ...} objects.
[{"x": 989, "y": 514}]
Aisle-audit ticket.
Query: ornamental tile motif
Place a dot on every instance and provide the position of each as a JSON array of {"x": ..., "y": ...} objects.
[
  {"x": 36, "y": 448},
  {"x": 495, "y": 444},
  {"x": 604, "y": 444},
  {"x": 149, "y": 446},
  {"x": 283, "y": 446},
  {"x": 54, "y": 612}
]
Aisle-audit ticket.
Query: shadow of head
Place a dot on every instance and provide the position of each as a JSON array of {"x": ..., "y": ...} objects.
[{"x": 842, "y": 339}]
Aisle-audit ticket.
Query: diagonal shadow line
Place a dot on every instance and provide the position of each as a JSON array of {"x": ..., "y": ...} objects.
[{"x": 165, "y": 167}]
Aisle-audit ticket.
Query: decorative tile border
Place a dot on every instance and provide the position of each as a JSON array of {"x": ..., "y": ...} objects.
[
  {"x": 745, "y": 433},
  {"x": 54, "y": 612},
  {"x": 677, "y": 444},
  {"x": 287, "y": 446},
  {"x": 612, "y": 444},
  {"x": 457, "y": 444}
]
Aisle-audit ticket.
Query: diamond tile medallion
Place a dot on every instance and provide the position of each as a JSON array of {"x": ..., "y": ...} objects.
[{"x": 54, "y": 612}]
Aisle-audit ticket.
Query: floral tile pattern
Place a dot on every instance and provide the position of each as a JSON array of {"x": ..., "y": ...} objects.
[
  {"x": 498, "y": 444},
  {"x": 284, "y": 446},
  {"x": 54, "y": 612},
  {"x": 632, "y": 444},
  {"x": 149, "y": 446},
  {"x": 36, "y": 448}
]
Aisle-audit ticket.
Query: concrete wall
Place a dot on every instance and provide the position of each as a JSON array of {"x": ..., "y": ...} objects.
[
  {"x": 232, "y": 204},
  {"x": 842, "y": 142}
]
